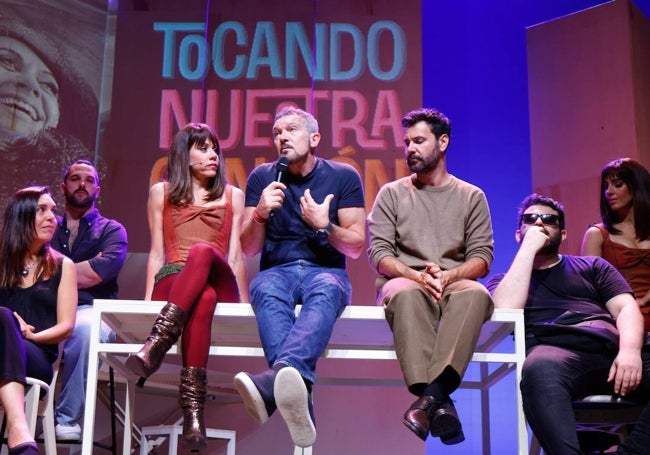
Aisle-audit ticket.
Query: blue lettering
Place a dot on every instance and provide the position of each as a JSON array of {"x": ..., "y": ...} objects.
[
  {"x": 296, "y": 37},
  {"x": 321, "y": 52},
  {"x": 264, "y": 40},
  {"x": 219, "y": 50},
  {"x": 168, "y": 29},
  {"x": 335, "y": 52},
  {"x": 185, "y": 57},
  {"x": 336, "y": 33},
  {"x": 399, "y": 50}
]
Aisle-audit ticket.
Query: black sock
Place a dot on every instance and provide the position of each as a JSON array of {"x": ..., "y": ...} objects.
[
  {"x": 436, "y": 390},
  {"x": 417, "y": 389},
  {"x": 443, "y": 385}
]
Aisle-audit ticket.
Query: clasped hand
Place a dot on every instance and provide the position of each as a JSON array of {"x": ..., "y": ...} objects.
[
  {"x": 26, "y": 329},
  {"x": 433, "y": 280}
]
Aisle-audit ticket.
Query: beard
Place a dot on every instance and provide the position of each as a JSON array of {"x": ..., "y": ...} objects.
[
  {"x": 75, "y": 201},
  {"x": 553, "y": 246},
  {"x": 420, "y": 165}
]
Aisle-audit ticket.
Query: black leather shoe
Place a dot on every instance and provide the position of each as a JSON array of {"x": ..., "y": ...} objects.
[
  {"x": 446, "y": 424},
  {"x": 418, "y": 417}
]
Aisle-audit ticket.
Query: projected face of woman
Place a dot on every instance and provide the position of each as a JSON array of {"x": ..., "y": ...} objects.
[{"x": 29, "y": 92}]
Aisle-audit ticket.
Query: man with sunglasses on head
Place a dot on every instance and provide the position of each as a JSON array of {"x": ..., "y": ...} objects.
[
  {"x": 584, "y": 330},
  {"x": 430, "y": 239}
]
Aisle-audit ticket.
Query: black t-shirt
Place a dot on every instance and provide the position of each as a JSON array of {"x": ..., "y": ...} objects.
[
  {"x": 288, "y": 237},
  {"x": 579, "y": 283}
]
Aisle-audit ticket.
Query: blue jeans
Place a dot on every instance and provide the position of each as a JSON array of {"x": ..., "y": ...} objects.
[
  {"x": 72, "y": 398},
  {"x": 553, "y": 377},
  {"x": 298, "y": 342}
]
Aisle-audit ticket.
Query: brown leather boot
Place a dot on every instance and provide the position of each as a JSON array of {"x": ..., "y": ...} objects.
[
  {"x": 193, "y": 388},
  {"x": 164, "y": 333}
]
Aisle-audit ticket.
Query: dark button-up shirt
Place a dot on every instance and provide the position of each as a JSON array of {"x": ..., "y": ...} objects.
[{"x": 96, "y": 235}]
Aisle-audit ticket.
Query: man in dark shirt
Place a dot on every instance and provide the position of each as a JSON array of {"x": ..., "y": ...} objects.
[
  {"x": 304, "y": 226},
  {"x": 97, "y": 246},
  {"x": 601, "y": 352}
]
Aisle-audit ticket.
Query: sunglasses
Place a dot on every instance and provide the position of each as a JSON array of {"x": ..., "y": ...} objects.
[{"x": 547, "y": 218}]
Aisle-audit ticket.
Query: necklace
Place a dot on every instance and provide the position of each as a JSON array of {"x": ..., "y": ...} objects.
[{"x": 25, "y": 270}]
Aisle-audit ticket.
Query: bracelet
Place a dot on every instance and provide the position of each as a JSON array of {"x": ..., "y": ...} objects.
[{"x": 259, "y": 219}]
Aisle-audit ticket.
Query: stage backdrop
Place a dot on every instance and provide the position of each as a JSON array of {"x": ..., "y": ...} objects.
[
  {"x": 356, "y": 65},
  {"x": 50, "y": 71}
]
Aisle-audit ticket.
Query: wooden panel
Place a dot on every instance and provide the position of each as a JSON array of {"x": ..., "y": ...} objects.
[{"x": 589, "y": 104}]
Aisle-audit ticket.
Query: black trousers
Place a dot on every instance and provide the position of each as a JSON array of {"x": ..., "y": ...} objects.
[
  {"x": 553, "y": 377},
  {"x": 19, "y": 357}
]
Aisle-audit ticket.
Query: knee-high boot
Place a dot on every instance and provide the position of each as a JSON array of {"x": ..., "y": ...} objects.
[
  {"x": 164, "y": 333},
  {"x": 193, "y": 388}
]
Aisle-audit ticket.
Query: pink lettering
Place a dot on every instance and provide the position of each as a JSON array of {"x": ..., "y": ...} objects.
[{"x": 355, "y": 123}]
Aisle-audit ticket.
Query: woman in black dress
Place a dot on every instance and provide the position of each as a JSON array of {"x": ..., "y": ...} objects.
[{"x": 38, "y": 300}]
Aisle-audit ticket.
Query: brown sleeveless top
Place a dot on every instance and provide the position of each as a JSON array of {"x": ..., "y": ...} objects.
[
  {"x": 634, "y": 265},
  {"x": 184, "y": 226}
]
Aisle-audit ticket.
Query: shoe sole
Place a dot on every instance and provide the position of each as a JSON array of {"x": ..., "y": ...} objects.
[
  {"x": 252, "y": 398},
  {"x": 195, "y": 444},
  {"x": 69, "y": 433},
  {"x": 292, "y": 400},
  {"x": 448, "y": 428},
  {"x": 452, "y": 438},
  {"x": 415, "y": 429},
  {"x": 68, "y": 437},
  {"x": 136, "y": 366}
]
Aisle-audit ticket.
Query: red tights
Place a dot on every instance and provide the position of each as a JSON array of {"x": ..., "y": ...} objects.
[{"x": 205, "y": 280}]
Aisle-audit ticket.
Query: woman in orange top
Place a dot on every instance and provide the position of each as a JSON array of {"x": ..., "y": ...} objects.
[
  {"x": 195, "y": 261},
  {"x": 623, "y": 237}
]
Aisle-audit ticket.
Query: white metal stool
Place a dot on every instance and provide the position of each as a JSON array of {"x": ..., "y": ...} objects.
[{"x": 174, "y": 432}]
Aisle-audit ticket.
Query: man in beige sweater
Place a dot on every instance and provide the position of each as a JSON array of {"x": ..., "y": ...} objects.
[{"x": 430, "y": 239}]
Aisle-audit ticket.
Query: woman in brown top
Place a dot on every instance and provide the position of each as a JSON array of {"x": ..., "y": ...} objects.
[
  {"x": 195, "y": 261},
  {"x": 623, "y": 237}
]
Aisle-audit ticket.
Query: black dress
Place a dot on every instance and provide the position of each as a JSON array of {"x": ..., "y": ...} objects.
[{"x": 37, "y": 306}]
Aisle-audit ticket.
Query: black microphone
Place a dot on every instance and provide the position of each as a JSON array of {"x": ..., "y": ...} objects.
[{"x": 281, "y": 166}]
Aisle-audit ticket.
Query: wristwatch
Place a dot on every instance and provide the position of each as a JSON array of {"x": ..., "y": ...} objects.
[{"x": 324, "y": 233}]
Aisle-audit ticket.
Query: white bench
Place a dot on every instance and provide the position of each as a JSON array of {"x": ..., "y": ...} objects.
[{"x": 360, "y": 333}]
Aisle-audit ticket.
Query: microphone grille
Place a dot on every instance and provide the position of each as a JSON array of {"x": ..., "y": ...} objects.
[{"x": 282, "y": 165}]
